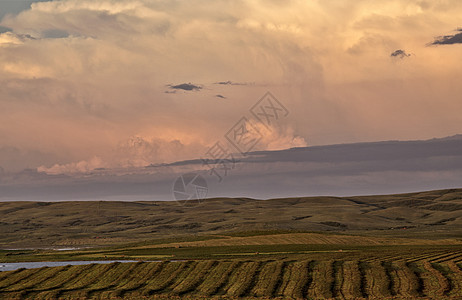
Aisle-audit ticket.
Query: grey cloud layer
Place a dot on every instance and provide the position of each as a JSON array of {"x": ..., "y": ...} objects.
[{"x": 348, "y": 169}]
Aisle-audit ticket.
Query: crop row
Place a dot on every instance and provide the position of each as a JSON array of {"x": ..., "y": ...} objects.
[
  {"x": 432, "y": 256},
  {"x": 313, "y": 279}
]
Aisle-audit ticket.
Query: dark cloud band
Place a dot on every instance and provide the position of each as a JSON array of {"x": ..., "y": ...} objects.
[
  {"x": 186, "y": 87},
  {"x": 449, "y": 39}
]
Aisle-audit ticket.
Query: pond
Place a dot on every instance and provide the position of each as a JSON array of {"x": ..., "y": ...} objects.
[{"x": 33, "y": 265}]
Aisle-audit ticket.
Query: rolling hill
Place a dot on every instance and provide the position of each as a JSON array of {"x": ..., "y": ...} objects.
[{"x": 423, "y": 215}]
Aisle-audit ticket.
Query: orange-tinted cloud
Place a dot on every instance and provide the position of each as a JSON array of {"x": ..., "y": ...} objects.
[{"x": 80, "y": 78}]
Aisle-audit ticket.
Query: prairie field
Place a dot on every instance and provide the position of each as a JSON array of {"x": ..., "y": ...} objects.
[
  {"x": 372, "y": 247},
  {"x": 427, "y": 277},
  {"x": 250, "y": 149}
]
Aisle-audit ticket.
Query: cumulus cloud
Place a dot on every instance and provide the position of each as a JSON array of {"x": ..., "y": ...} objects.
[
  {"x": 134, "y": 152},
  {"x": 77, "y": 167},
  {"x": 278, "y": 138},
  {"x": 142, "y": 151},
  {"x": 449, "y": 39}
]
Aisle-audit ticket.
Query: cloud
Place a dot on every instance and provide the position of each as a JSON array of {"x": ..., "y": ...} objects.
[
  {"x": 9, "y": 38},
  {"x": 4, "y": 29},
  {"x": 140, "y": 151},
  {"x": 135, "y": 152},
  {"x": 344, "y": 169},
  {"x": 278, "y": 138},
  {"x": 15, "y": 159},
  {"x": 186, "y": 87},
  {"x": 55, "y": 34},
  {"x": 231, "y": 83},
  {"x": 71, "y": 168},
  {"x": 449, "y": 39},
  {"x": 78, "y": 78},
  {"x": 14, "y": 7},
  {"x": 400, "y": 54}
]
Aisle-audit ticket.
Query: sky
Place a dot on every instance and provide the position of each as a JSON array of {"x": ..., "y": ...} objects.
[
  {"x": 333, "y": 170},
  {"x": 88, "y": 85}
]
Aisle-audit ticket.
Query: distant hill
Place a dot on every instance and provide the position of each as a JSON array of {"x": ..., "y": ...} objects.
[
  {"x": 428, "y": 215},
  {"x": 387, "y": 167}
]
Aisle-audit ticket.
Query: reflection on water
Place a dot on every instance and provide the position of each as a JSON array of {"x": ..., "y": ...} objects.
[{"x": 32, "y": 265}]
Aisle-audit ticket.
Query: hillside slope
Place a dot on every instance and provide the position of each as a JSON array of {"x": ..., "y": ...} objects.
[{"x": 429, "y": 215}]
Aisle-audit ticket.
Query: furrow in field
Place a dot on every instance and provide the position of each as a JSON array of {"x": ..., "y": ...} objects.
[
  {"x": 76, "y": 287},
  {"x": 285, "y": 279},
  {"x": 18, "y": 277},
  {"x": 391, "y": 277},
  {"x": 181, "y": 277},
  {"x": 268, "y": 279},
  {"x": 377, "y": 281},
  {"x": 136, "y": 287},
  {"x": 362, "y": 267},
  {"x": 407, "y": 282},
  {"x": 322, "y": 281},
  {"x": 453, "y": 285},
  {"x": 337, "y": 274},
  {"x": 456, "y": 278},
  {"x": 418, "y": 273},
  {"x": 351, "y": 286},
  {"x": 132, "y": 278},
  {"x": 195, "y": 278},
  {"x": 441, "y": 256},
  {"x": 35, "y": 279},
  {"x": 7, "y": 274},
  {"x": 112, "y": 279},
  {"x": 48, "y": 289},
  {"x": 135, "y": 280},
  {"x": 167, "y": 276},
  {"x": 242, "y": 279},
  {"x": 421, "y": 257},
  {"x": 297, "y": 279},
  {"x": 217, "y": 279},
  {"x": 435, "y": 284},
  {"x": 449, "y": 257}
]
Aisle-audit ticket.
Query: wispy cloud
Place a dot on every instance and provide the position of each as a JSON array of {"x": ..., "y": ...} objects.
[{"x": 231, "y": 83}]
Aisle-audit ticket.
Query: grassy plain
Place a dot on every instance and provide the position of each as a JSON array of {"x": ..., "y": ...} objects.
[{"x": 405, "y": 246}]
